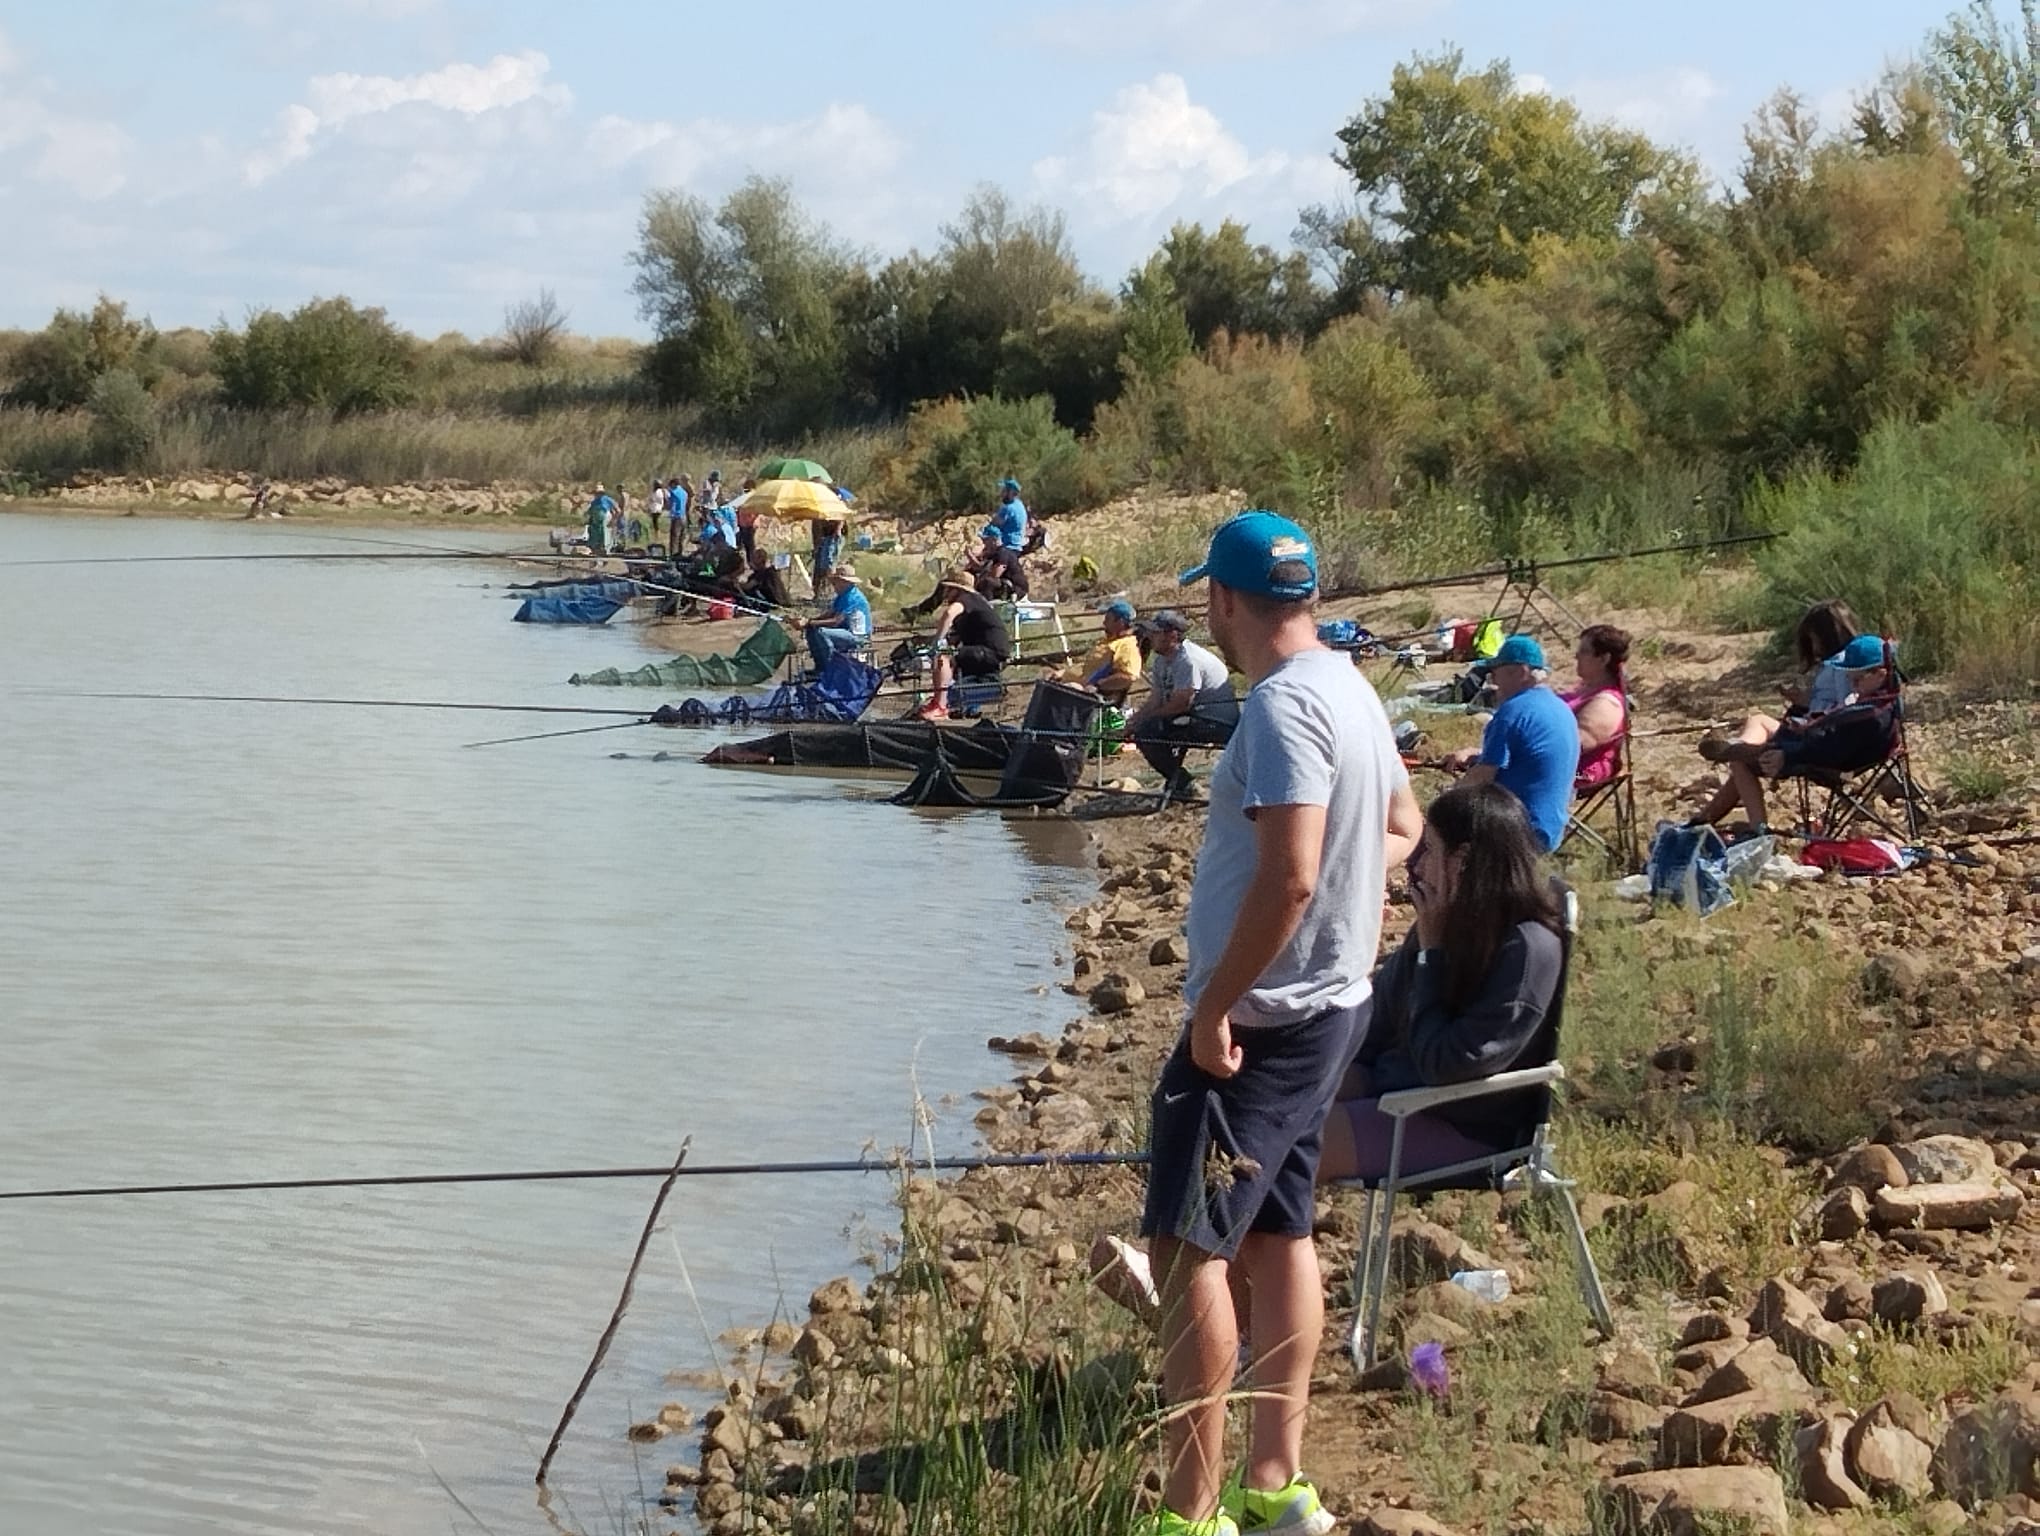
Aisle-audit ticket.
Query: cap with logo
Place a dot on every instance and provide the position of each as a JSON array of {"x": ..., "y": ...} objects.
[{"x": 1260, "y": 552}]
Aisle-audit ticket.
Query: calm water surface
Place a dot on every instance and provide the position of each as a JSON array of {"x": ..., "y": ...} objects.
[{"x": 247, "y": 940}]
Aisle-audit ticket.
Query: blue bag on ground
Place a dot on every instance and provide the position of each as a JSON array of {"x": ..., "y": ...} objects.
[{"x": 1689, "y": 866}]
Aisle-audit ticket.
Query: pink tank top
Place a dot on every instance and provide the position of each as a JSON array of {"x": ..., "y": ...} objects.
[{"x": 1598, "y": 764}]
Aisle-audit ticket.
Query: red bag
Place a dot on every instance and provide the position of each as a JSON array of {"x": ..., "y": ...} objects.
[{"x": 1855, "y": 855}]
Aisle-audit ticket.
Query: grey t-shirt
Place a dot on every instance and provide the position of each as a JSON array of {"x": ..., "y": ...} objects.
[
  {"x": 1312, "y": 732},
  {"x": 1197, "y": 669}
]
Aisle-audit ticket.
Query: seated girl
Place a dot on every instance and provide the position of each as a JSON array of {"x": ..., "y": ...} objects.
[
  {"x": 1601, "y": 702},
  {"x": 1467, "y": 995}
]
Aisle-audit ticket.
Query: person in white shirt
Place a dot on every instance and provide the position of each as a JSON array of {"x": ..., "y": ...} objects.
[{"x": 1190, "y": 702}]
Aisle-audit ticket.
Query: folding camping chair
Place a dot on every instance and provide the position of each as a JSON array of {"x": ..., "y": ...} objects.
[
  {"x": 1529, "y": 1165},
  {"x": 1834, "y": 802},
  {"x": 1612, "y": 800}
]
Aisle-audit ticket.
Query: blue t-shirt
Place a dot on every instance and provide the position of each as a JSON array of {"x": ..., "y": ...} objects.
[
  {"x": 1011, "y": 523},
  {"x": 852, "y": 611},
  {"x": 722, "y": 522},
  {"x": 676, "y": 501},
  {"x": 1533, "y": 742}
]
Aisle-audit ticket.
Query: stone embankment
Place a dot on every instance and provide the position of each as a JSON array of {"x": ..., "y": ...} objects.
[{"x": 330, "y": 496}]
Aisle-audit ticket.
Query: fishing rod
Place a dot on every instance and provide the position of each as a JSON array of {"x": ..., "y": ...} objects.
[
  {"x": 262, "y": 698},
  {"x": 802, "y": 1168}
]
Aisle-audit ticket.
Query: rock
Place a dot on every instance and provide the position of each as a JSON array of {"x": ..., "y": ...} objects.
[
  {"x": 1685, "y": 1502},
  {"x": 1703, "y": 1434},
  {"x": 649, "y": 1430},
  {"x": 1117, "y": 993},
  {"x": 1711, "y": 1328},
  {"x": 1959, "y": 1207},
  {"x": 814, "y": 1349},
  {"x": 1611, "y": 1416},
  {"x": 1786, "y": 1316},
  {"x": 1066, "y": 1123},
  {"x": 1033, "y": 1043},
  {"x": 1824, "y": 1480},
  {"x": 733, "y": 1434},
  {"x": 1170, "y": 949},
  {"x": 1841, "y": 1214},
  {"x": 779, "y": 1336},
  {"x": 1869, "y": 1169},
  {"x": 1851, "y": 1300},
  {"x": 837, "y": 1295},
  {"x": 1886, "y": 1459},
  {"x": 1992, "y": 1450},
  {"x": 1894, "y": 975},
  {"x": 1907, "y": 1296},
  {"x": 1401, "y": 1522},
  {"x": 1944, "y": 1517},
  {"x": 1678, "y": 1056},
  {"x": 1430, "y": 1328},
  {"x": 676, "y": 1416},
  {"x": 1423, "y": 1251},
  {"x": 1761, "y": 1368},
  {"x": 1631, "y": 1370},
  {"x": 1947, "y": 1160}
]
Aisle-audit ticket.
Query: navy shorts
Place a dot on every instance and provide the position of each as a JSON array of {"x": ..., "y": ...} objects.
[{"x": 1239, "y": 1154}]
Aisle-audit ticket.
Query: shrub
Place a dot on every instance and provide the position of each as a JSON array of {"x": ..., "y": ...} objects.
[
  {"x": 326, "y": 353},
  {"x": 56, "y": 367},
  {"x": 956, "y": 452},
  {"x": 123, "y": 420},
  {"x": 1933, "y": 540}
]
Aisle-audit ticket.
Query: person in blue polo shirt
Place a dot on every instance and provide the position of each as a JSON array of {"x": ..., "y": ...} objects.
[
  {"x": 846, "y": 625},
  {"x": 1009, "y": 522},
  {"x": 1532, "y": 744}
]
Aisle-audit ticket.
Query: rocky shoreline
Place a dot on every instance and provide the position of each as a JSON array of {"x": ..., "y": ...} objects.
[{"x": 1725, "y": 1395}]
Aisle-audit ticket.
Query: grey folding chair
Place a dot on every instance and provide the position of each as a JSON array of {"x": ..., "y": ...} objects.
[{"x": 1528, "y": 1165}]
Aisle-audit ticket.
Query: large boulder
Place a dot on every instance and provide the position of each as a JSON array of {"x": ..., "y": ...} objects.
[
  {"x": 1688, "y": 1501},
  {"x": 1947, "y": 1160},
  {"x": 1710, "y": 1433},
  {"x": 1886, "y": 1458},
  {"x": 1761, "y": 1368},
  {"x": 1824, "y": 1480},
  {"x": 1904, "y": 1298},
  {"x": 1992, "y": 1450},
  {"x": 1788, "y": 1317},
  {"x": 1868, "y": 1168},
  {"x": 1968, "y": 1207}
]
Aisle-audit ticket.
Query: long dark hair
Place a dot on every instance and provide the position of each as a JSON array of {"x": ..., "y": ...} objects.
[
  {"x": 1824, "y": 629},
  {"x": 1501, "y": 883}
]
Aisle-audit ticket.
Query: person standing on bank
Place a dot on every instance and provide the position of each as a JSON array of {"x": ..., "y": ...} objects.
[
  {"x": 1190, "y": 702},
  {"x": 1531, "y": 746},
  {"x": 1310, "y": 804}
]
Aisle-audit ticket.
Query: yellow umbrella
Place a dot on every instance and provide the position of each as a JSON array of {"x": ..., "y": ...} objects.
[{"x": 799, "y": 501}]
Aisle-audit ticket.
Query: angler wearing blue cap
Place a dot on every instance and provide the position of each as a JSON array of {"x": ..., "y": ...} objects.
[
  {"x": 1309, "y": 804},
  {"x": 1532, "y": 743},
  {"x": 1009, "y": 522}
]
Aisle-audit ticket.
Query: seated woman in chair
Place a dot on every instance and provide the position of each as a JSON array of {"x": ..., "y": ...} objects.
[
  {"x": 1853, "y": 731},
  {"x": 1467, "y": 995},
  {"x": 1601, "y": 703},
  {"x": 1823, "y": 631}
]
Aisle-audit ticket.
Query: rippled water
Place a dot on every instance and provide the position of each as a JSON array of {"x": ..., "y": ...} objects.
[{"x": 272, "y": 941}]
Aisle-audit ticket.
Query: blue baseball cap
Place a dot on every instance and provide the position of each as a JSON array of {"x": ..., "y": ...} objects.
[
  {"x": 1522, "y": 651},
  {"x": 1010, "y": 484},
  {"x": 1246, "y": 551},
  {"x": 1861, "y": 654},
  {"x": 1119, "y": 608}
]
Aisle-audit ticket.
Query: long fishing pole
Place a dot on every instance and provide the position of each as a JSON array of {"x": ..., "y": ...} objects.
[
  {"x": 959, "y": 1164},
  {"x": 269, "y": 698}
]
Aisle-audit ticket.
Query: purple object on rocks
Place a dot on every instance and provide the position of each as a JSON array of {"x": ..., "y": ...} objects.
[{"x": 1428, "y": 1370}]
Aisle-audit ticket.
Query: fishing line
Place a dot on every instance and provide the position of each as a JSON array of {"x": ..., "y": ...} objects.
[{"x": 562, "y": 1175}]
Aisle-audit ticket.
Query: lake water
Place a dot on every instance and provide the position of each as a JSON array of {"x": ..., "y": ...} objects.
[{"x": 243, "y": 940}]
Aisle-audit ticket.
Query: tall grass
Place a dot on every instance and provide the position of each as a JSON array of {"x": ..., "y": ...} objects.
[{"x": 616, "y": 443}]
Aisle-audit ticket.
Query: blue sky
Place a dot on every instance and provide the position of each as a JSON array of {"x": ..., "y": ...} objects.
[{"x": 445, "y": 157}]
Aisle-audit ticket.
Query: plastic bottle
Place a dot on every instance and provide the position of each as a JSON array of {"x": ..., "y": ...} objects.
[{"x": 1487, "y": 1284}]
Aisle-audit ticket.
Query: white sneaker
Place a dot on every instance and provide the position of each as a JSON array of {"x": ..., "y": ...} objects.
[{"x": 1135, "y": 1262}]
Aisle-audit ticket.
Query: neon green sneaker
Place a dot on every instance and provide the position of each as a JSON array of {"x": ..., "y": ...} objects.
[
  {"x": 1292, "y": 1511},
  {"x": 1166, "y": 1522}
]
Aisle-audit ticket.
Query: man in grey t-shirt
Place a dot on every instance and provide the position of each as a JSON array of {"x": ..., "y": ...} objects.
[
  {"x": 1309, "y": 803},
  {"x": 1190, "y": 702}
]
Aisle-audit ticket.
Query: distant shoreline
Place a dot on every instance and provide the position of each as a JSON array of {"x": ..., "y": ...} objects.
[{"x": 236, "y": 512}]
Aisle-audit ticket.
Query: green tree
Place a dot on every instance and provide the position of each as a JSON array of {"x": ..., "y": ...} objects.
[
  {"x": 1157, "y": 331},
  {"x": 999, "y": 271},
  {"x": 1460, "y": 172},
  {"x": 56, "y": 368},
  {"x": 1226, "y": 283},
  {"x": 1987, "y": 78},
  {"x": 123, "y": 419},
  {"x": 744, "y": 299},
  {"x": 326, "y": 353}
]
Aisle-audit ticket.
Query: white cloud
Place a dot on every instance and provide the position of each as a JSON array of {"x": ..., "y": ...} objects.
[
  {"x": 1171, "y": 27},
  {"x": 1662, "y": 102},
  {"x": 468, "y": 90},
  {"x": 1154, "y": 152},
  {"x": 843, "y": 140},
  {"x": 87, "y": 155}
]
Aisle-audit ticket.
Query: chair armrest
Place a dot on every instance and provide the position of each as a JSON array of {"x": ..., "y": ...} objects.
[{"x": 1412, "y": 1101}]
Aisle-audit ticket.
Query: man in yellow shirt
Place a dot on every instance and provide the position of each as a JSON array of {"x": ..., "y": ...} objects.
[{"x": 1113, "y": 665}]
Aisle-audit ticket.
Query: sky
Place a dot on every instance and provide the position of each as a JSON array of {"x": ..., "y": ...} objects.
[{"x": 444, "y": 158}]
